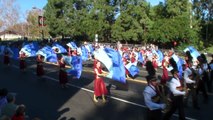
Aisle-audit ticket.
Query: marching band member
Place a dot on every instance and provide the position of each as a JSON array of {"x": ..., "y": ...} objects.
[
  {"x": 152, "y": 99},
  {"x": 188, "y": 58},
  {"x": 99, "y": 85},
  {"x": 63, "y": 79},
  {"x": 201, "y": 82},
  {"x": 22, "y": 63},
  {"x": 189, "y": 78},
  {"x": 211, "y": 73},
  {"x": 206, "y": 72},
  {"x": 177, "y": 95}
]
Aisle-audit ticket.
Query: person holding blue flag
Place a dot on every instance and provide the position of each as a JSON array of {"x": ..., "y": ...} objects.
[
  {"x": 99, "y": 85},
  {"x": 6, "y": 58},
  {"x": 125, "y": 62},
  {"x": 7, "y": 52},
  {"x": 165, "y": 64},
  {"x": 39, "y": 69},
  {"x": 63, "y": 79},
  {"x": 22, "y": 63}
]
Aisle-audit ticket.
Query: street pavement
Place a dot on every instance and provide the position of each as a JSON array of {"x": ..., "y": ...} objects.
[{"x": 44, "y": 98}]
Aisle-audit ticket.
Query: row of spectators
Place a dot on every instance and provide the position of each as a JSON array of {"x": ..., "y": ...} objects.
[{"x": 9, "y": 110}]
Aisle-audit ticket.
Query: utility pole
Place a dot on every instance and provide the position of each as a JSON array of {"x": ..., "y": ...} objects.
[{"x": 40, "y": 21}]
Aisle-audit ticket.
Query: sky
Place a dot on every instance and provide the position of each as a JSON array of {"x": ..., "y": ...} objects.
[{"x": 26, "y": 5}]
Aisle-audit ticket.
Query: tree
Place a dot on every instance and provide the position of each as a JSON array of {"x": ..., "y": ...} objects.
[
  {"x": 173, "y": 22},
  {"x": 203, "y": 13},
  {"x": 9, "y": 13},
  {"x": 56, "y": 12},
  {"x": 133, "y": 23}
]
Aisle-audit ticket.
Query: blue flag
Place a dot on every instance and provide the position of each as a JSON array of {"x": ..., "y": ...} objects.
[
  {"x": 117, "y": 71},
  {"x": 48, "y": 53},
  {"x": 179, "y": 61},
  {"x": 15, "y": 53},
  {"x": 2, "y": 47},
  {"x": 113, "y": 61},
  {"x": 67, "y": 59},
  {"x": 133, "y": 70},
  {"x": 76, "y": 68},
  {"x": 72, "y": 45},
  {"x": 91, "y": 48},
  {"x": 30, "y": 49},
  {"x": 59, "y": 47},
  {"x": 140, "y": 57},
  {"x": 194, "y": 53},
  {"x": 160, "y": 55},
  {"x": 84, "y": 55},
  {"x": 180, "y": 67}
]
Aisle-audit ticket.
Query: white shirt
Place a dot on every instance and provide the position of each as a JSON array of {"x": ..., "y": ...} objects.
[
  {"x": 205, "y": 66},
  {"x": 187, "y": 72},
  {"x": 173, "y": 84},
  {"x": 148, "y": 93}
]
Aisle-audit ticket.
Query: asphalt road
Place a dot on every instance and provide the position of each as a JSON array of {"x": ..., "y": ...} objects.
[{"x": 45, "y": 99}]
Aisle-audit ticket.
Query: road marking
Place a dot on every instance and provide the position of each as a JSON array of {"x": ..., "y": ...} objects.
[
  {"x": 129, "y": 79},
  {"x": 112, "y": 97}
]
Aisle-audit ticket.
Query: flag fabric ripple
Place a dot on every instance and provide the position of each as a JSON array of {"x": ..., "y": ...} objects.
[
  {"x": 194, "y": 53},
  {"x": 30, "y": 49},
  {"x": 72, "y": 45},
  {"x": 48, "y": 53},
  {"x": 60, "y": 48},
  {"x": 113, "y": 62},
  {"x": 133, "y": 70},
  {"x": 76, "y": 68}
]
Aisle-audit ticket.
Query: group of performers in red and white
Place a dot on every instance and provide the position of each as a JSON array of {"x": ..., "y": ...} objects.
[{"x": 195, "y": 76}]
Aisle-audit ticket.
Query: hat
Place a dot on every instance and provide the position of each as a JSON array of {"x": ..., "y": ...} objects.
[
  {"x": 173, "y": 71},
  {"x": 151, "y": 78}
]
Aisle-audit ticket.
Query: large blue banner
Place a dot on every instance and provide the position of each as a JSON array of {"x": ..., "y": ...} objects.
[
  {"x": 76, "y": 68},
  {"x": 113, "y": 61},
  {"x": 58, "y": 48},
  {"x": 48, "y": 53},
  {"x": 30, "y": 49}
]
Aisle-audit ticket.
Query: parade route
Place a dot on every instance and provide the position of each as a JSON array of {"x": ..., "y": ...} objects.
[{"x": 127, "y": 104}]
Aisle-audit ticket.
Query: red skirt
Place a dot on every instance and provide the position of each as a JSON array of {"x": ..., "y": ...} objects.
[
  {"x": 165, "y": 76},
  {"x": 6, "y": 60},
  {"x": 99, "y": 87},
  {"x": 63, "y": 79},
  {"x": 22, "y": 64},
  {"x": 40, "y": 70}
]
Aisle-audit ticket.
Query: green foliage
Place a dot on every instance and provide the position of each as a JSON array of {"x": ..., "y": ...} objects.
[{"x": 125, "y": 20}]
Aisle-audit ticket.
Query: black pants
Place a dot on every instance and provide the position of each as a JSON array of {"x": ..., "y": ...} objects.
[
  {"x": 177, "y": 103},
  {"x": 201, "y": 87},
  {"x": 154, "y": 114},
  {"x": 192, "y": 93},
  {"x": 209, "y": 83}
]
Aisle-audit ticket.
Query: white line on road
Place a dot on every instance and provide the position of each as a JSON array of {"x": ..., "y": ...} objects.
[{"x": 91, "y": 91}]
